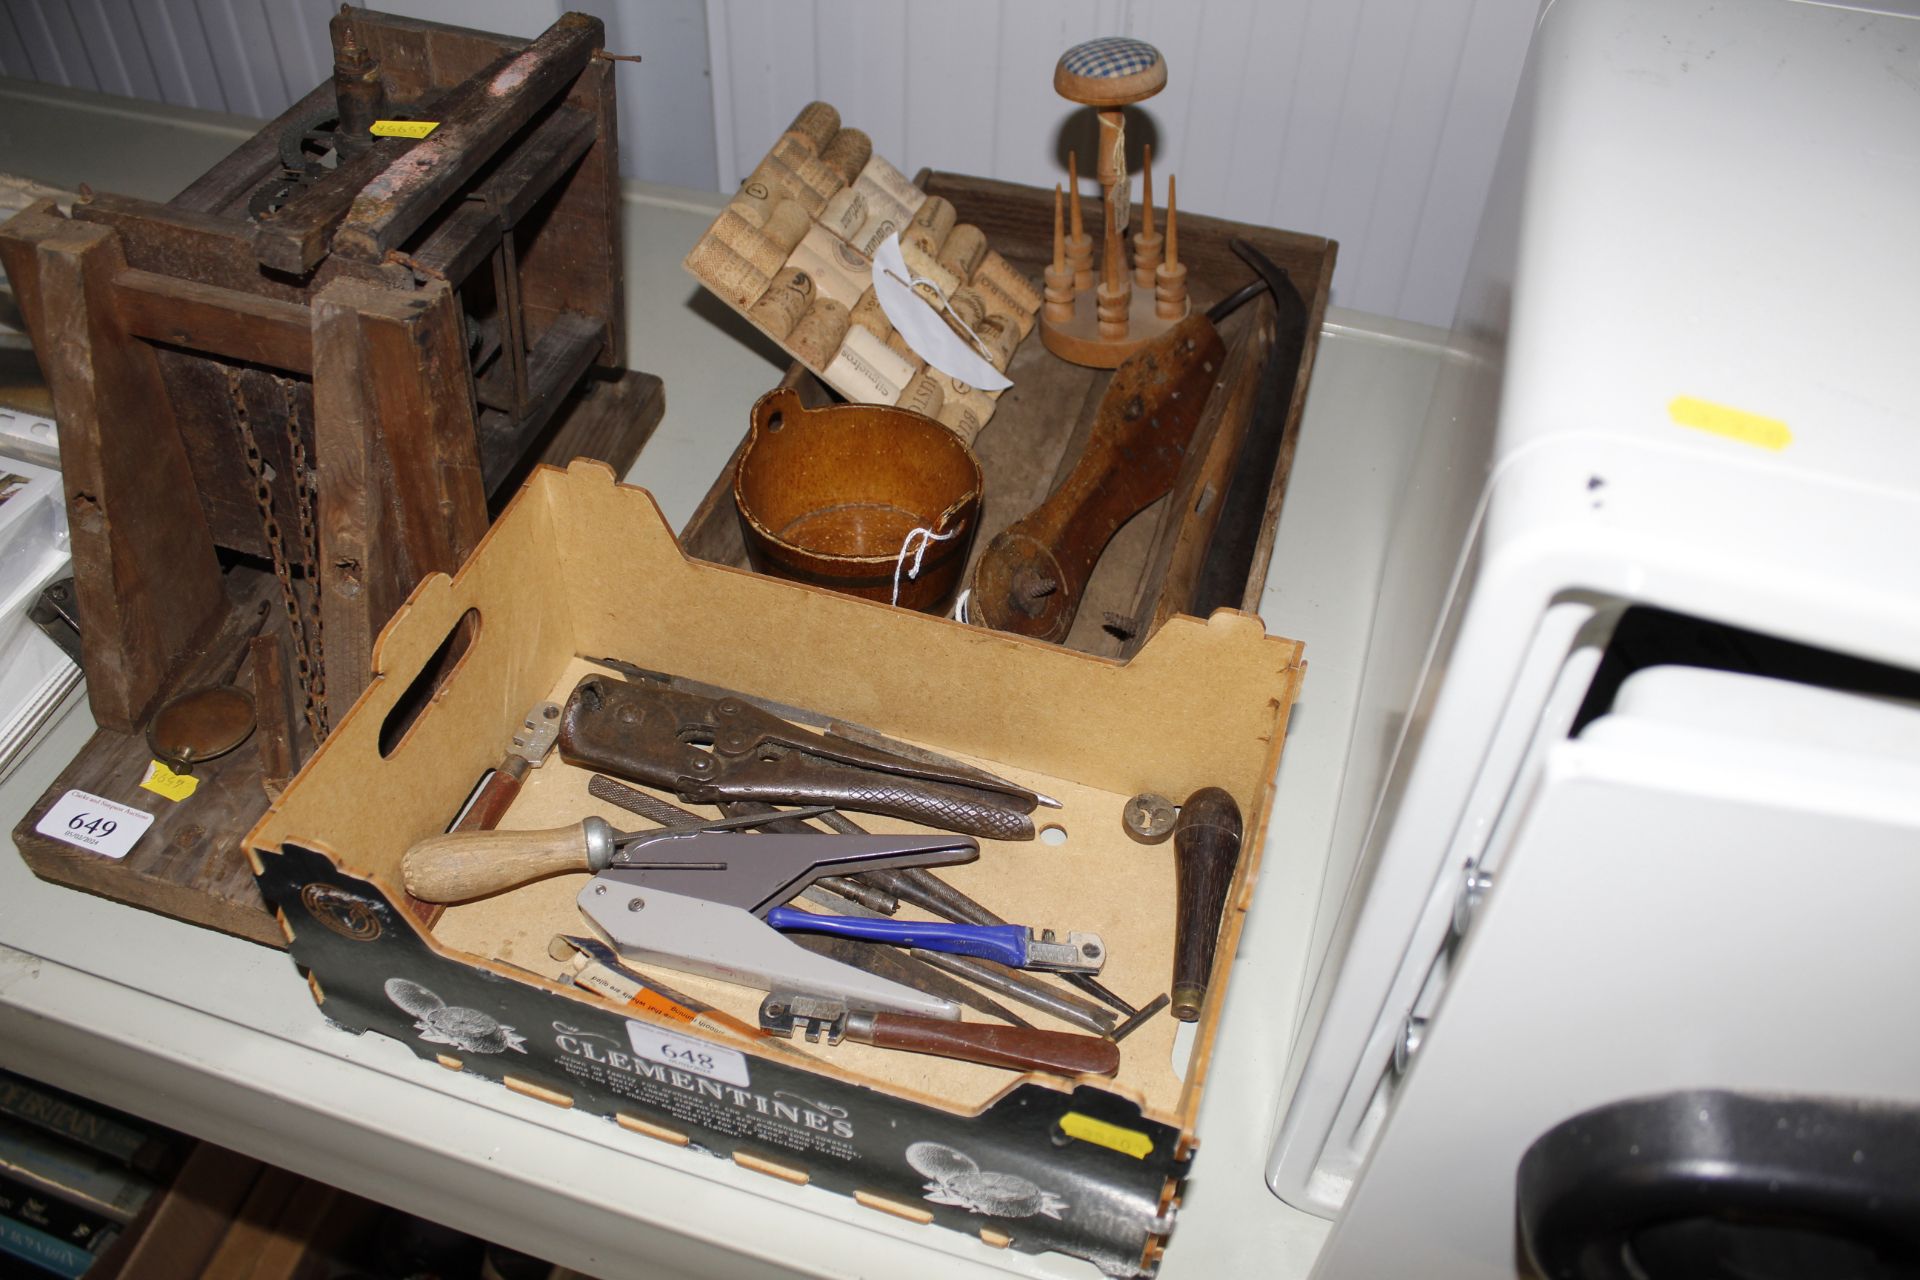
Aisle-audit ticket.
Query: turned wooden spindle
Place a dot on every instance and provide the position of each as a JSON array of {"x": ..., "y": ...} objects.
[
  {"x": 1170, "y": 277},
  {"x": 1146, "y": 242},
  {"x": 1115, "y": 295},
  {"x": 1079, "y": 243},
  {"x": 1059, "y": 276}
]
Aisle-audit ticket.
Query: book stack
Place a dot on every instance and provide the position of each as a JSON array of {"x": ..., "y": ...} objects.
[{"x": 73, "y": 1174}]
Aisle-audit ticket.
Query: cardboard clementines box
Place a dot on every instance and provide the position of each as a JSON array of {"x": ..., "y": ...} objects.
[{"x": 580, "y": 567}]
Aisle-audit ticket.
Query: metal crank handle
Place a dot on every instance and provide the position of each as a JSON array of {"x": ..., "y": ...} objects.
[
  {"x": 471, "y": 864},
  {"x": 1010, "y": 944}
]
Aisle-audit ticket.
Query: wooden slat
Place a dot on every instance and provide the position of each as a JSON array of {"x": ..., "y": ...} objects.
[
  {"x": 464, "y": 239},
  {"x": 529, "y": 171},
  {"x": 295, "y": 237},
  {"x": 563, "y": 354},
  {"x": 185, "y": 243},
  {"x": 575, "y": 265},
  {"x": 477, "y": 119},
  {"x": 146, "y": 580},
  {"x": 400, "y": 482},
  {"x": 223, "y": 322}
]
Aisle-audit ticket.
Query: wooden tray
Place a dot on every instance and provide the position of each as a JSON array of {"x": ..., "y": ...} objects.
[
  {"x": 1035, "y": 436},
  {"x": 189, "y": 864}
]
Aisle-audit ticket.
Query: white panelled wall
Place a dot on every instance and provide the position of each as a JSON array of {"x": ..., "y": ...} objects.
[{"x": 1374, "y": 122}]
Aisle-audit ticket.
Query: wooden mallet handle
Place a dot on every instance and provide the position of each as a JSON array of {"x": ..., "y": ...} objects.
[
  {"x": 1206, "y": 844},
  {"x": 470, "y": 864}
]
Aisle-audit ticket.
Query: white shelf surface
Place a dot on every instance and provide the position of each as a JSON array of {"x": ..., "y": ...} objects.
[{"x": 221, "y": 1038}]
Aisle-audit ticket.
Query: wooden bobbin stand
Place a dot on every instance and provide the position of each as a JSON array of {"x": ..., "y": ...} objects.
[{"x": 1100, "y": 308}]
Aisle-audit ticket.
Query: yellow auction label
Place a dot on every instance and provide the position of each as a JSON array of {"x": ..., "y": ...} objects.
[
  {"x": 1734, "y": 424},
  {"x": 403, "y": 128},
  {"x": 1102, "y": 1134},
  {"x": 163, "y": 781}
]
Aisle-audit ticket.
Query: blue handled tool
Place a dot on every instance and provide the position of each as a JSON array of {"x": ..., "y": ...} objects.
[{"x": 1011, "y": 944}]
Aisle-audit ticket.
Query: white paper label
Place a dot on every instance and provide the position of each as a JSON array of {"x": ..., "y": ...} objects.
[
  {"x": 664, "y": 1047},
  {"x": 96, "y": 825},
  {"x": 922, "y": 326}
]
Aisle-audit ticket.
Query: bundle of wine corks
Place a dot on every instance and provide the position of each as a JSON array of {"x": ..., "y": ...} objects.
[{"x": 793, "y": 251}]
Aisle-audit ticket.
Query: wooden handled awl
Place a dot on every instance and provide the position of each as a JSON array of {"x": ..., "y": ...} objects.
[
  {"x": 471, "y": 864},
  {"x": 1206, "y": 844}
]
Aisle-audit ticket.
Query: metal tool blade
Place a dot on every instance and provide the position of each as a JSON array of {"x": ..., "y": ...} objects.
[{"x": 720, "y": 940}]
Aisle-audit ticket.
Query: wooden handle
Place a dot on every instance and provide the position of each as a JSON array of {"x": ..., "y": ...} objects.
[
  {"x": 495, "y": 797},
  {"x": 1021, "y": 1048},
  {"x": 1206, "y": 844},
  {"x": 469, "y": 864},
  {"x": 1031, "y": 577}
]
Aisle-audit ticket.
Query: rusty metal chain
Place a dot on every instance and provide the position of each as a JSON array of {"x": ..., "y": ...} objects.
[
  {"x": 276, "y": 543},
  {"x": 305, "y": 499}
]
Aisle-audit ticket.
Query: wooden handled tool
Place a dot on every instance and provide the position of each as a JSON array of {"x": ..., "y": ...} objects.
[
  {"x": 1017, "y": 1048},
  {"x": 1031, "y": 578},
  {"x": 1020, "y": 1048},
  {"x": 1206, "y": 843},
  {"x": 471, "y": 864}
]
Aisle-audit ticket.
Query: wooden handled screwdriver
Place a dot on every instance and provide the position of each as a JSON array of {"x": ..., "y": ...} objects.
[
  {"x": 471, "y": 864},
  {"x": 1206, "y": 844}
]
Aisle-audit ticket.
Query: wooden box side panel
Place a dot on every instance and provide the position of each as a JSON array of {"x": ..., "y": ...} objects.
[
  {"x": 378, "y": 805},
  {"x": 1197, "y": 706}
]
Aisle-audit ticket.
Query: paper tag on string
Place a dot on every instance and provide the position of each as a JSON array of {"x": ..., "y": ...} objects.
[
  {"x": 916, "y": 321},
  {"x": 163, "y": 781}
]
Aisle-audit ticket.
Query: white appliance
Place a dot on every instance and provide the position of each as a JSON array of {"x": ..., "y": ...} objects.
[{"x": 1682, "y": 432}]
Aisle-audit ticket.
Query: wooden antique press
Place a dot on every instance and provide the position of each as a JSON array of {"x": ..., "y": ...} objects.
[{"x": 325, "y": 356}]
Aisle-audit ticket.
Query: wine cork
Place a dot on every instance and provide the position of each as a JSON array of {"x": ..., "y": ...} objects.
[
  {"x": 865, "y": 370},
  {"x": 839, "y": 271},
  {"x": 969, "y": 306},
  {"x": 1005, "y": 277},
  {"x": 965, "y": 415},
  {"x": 818, "y": 335},
  {"x": 784, "y": 303},
  {"x": 737, "y": 234},
  {"x": 922, "y": 264},
  {"x": 869, "y": 315},
  {"x": 807, "y": 181},
  {"x": 883, "y": 177},
  {"x": 846, "y": 214},
  {"x": 923, "y": 394},
  {"x": 897, "y": 343},
  {"x": 848, "y": 153},
  {"x": 1001, "y": 337},
  {"x": 931, "y": 225},
  {"x": 965, "y": 247},
  {"x": 754, "y": 202},
  {"x": 794, "y": 149},
  {"x": 726, "y": 273},
  {"x": 1000, "y": 303},
  {"x": 882, "y": 221},
  {"x": 817, "y": 123}
]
